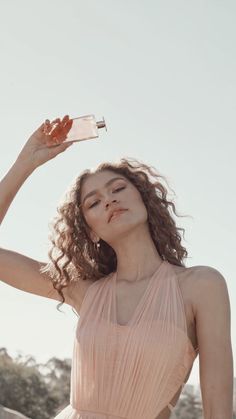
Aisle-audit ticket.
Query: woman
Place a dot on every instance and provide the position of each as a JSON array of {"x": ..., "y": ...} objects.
[{"x": 117, "y": 259}]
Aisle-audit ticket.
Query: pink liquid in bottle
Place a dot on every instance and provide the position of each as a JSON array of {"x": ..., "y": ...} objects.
[{"x": 85, "y": 128}]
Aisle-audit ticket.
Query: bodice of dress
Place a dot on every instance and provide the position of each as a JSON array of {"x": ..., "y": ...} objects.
[{"x": 129, "y": 371}]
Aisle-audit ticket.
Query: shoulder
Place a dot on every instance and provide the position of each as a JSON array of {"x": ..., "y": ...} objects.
[
  {"x": 206, "y": 284},
  {"x": 199, "y": 275},
  {"x": 206, "y": 277},
  {"x": 198, "y": 281}
]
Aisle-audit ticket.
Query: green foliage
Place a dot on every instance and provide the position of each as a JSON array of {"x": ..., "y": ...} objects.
[
  {"x": 38, "y": 391},
  {"x": 189, "y": 406}
]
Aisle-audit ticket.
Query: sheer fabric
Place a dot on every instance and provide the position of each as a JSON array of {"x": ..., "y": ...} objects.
[{"x": 129, "y": 371}]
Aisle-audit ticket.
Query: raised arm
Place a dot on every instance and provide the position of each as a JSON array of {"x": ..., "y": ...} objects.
[{"x": 18, "y": 270}]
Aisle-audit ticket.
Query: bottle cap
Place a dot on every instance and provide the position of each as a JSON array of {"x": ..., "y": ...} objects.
[{"x": 101, "y": 124}]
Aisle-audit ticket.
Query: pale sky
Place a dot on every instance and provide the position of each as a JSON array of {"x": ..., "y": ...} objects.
[{"x": 162, "y": 73}]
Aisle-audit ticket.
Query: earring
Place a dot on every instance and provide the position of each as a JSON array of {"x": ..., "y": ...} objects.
[{"x": 96, "y": 246}]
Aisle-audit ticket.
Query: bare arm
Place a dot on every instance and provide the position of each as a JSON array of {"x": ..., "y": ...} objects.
[
  {"x": 212, "y": 312},
  {"x": 10, "y": 185},
  {"x": 43, "y": 145},
  {"x": 16, "y": 269}
]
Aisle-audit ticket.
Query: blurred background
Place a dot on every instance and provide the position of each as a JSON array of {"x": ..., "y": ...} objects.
[{"x": 162, "y": 73}]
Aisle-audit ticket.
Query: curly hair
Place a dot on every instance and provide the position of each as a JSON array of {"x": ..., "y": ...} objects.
[{"x": 75, "y": 255}]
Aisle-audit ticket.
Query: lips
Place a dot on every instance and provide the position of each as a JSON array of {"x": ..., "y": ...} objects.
[{"x": 116, "y": 211}]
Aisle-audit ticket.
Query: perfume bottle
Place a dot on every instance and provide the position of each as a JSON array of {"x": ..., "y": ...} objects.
[{"x": 84, "y": 128}]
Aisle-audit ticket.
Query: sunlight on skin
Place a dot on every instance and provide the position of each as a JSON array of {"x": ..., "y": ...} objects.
[{"x": 57, "y": 129}]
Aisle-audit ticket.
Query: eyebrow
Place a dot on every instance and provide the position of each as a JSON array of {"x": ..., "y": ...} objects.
[{"x": 106, "y": 184}]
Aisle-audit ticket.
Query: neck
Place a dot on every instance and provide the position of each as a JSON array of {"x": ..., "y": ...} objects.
[{"x": 137, "y": 256}]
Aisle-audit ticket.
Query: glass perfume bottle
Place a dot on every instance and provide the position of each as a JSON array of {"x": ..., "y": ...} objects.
[{"x": 85, "y": 128}]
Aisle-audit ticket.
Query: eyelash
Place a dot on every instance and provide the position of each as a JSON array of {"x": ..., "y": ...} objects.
[{"x": 115, "y": 190}]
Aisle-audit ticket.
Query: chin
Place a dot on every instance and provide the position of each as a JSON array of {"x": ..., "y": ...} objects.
[{"x": 123, "y": 229}]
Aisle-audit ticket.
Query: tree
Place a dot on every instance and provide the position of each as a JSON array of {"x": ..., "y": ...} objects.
[
  {"x": 23, "y": 388},
  {"x": 57, "y": 376},
  {"x": 189, "y": 406}
]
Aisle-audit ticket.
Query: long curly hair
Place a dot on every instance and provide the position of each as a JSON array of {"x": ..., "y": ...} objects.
[{"x": 73, "y": 255}]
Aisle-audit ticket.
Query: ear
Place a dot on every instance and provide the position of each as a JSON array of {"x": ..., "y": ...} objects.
[{"x": 94, "y": 237}]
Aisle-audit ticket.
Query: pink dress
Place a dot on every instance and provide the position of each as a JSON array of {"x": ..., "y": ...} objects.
[{"x": 129, "y": 371}]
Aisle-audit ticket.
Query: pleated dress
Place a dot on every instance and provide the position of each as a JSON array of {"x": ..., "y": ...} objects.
[{"x": 130, "y": 371}]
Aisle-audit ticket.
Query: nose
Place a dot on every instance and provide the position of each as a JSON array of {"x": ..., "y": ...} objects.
[{"x": 108, "y": 202}]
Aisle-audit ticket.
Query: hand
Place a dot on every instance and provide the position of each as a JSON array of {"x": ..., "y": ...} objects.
[{"x": 46, "y": 142}]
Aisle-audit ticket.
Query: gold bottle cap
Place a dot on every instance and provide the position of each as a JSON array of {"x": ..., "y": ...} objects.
[{"x": 101, "y": 124}]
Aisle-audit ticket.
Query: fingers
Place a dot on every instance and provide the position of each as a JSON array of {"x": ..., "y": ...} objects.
[
  {"x": 58, "y": 120},
  {"x": 46, "y": 126},
  {"x": 68, "y": 126},
  {"x": 57, "y": 129},
  {"x": 55, "y": 121},
  {"x": 61, "y": 130}
]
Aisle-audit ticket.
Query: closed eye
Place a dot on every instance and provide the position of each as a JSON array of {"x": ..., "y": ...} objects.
[
  {"x": 115, "y": 190},
  {"x": 119, "y": 189},
  {"x": 94, "y": 204}
]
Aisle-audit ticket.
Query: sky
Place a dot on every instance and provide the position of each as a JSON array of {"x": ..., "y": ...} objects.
[{"x": 162, "y": 73}]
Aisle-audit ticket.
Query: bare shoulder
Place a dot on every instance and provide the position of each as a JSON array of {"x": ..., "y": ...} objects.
[
  {"x": 210, "y": 282},
  {"x": 197, "y": 280}
]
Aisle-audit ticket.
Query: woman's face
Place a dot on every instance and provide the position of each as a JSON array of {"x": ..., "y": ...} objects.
[{"x": 105, "y": 192}]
